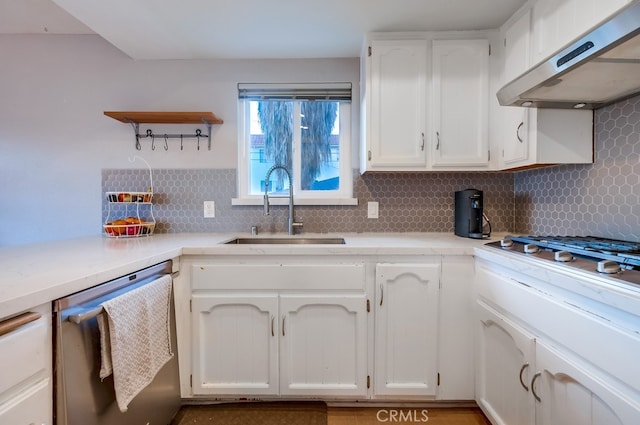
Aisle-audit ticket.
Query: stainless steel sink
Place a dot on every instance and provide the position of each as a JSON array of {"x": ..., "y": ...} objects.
[{"x": 285, "y": 241}]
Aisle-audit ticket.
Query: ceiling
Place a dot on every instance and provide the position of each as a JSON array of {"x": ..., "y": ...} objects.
[{"x": 203, "y": 29}]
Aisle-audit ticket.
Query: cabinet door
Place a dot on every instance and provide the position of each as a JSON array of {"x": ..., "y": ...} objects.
[
  {"x": 505, "y": 365},
  {"x": 570, "y": 395},
  {"x": 397, "y": 104},
  {"x": 406, "y": 329},
  {"x": 459, "y": 137},
  {"x": 323, "y": 348},
  {"x": 552, "y": 24},
  {"x": 235, "y": 344},
  {"x": 514, "y": 120}
]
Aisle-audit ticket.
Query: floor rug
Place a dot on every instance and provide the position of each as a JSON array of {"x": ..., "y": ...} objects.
[{"x": 254, "y": 413}]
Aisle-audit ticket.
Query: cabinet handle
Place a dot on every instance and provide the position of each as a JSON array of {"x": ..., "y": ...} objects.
[
  {"x": 14, "y": 323},
  {"x": 381, "y": 293},
  {"x": 422, "y": 144},
  {"x": 438, "y": 140},
  {"x": 533, "y": 388},
  {"x": 273, "y": 318},
  {"x": 518, "y": 131},
  {"x": 283, "y": 317},
  {"x": 524, "y": 366}
]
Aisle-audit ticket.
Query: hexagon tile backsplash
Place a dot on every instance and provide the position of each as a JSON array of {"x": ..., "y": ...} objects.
[
  {"x": 408, "y": 202},
  {"x": 600, "y": 199}
]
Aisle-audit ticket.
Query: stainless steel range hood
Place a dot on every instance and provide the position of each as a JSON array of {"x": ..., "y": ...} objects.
[{"x": 597, "y": 69}]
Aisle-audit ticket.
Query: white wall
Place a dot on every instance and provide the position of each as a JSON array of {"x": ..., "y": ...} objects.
[{"x": 54, "y": 138}]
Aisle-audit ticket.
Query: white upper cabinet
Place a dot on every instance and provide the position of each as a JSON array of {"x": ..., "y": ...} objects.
[
  {"x": 460, "y": 81},
  {"x": 530, "y": 136},
  {"x": 558, "y": 22},
  {"x": 425, "y": 102},
  {"x": 395, "y": 108},
  {"x": 517, "y": 54}
]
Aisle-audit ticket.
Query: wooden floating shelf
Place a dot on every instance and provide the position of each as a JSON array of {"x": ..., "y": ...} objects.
[
  {"x": 164, "y": 117},
  {"x": 136, "y": 118}
]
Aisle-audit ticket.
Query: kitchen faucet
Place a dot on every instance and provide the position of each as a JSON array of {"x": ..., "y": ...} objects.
[{"x": 291, "y": 223}]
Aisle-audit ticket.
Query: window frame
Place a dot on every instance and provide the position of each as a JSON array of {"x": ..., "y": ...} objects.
[{"x": 341, "y": 196}]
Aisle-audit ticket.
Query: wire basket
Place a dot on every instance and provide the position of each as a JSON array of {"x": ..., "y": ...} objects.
[{"x": 133, "y": 211}]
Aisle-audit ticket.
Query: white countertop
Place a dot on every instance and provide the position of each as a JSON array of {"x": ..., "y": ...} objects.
[{"x": 35, "y": 274}]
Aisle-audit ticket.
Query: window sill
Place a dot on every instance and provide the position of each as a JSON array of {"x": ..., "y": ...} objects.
[{"x": 302, "y": 201}]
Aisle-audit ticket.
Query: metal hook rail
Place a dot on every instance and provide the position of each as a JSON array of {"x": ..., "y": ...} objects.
[{"x": 150, "y": 134}]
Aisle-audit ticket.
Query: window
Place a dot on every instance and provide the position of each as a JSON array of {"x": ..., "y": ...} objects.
[{"x": 307, "y": 129}]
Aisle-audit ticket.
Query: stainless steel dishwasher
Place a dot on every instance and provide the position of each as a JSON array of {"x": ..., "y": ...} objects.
[{"x": 81, "y": 398}]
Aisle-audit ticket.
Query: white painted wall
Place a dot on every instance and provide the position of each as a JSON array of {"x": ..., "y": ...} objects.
[{"x": 54, "y": 138}]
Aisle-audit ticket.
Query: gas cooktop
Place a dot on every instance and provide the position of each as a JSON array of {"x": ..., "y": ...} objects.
[{"x": 614, "y": 258}]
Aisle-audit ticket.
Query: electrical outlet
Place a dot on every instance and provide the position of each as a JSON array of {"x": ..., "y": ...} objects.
[
  {"x": 209, "y": 209},
  {"x": 372, "y": 210}
]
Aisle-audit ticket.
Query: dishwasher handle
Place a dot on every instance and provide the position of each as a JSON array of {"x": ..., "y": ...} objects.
[
  {"x": 90, "y": 313},
  {"x": 85, "y": 315}
]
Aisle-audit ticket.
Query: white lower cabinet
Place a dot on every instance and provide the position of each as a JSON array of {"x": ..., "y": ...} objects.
[
  {"x": 535, "y": 359},
  {"x": 323, "y": 343},
  {"x": 505, "y": 360},
  {"x": 295, "y": 332},
  {"x": 236, "y": 345},
  {"x": 388, "y": 328},
  {"x": 406, "y": 329},
  {"x": 569, "y": 394},
  {"x": 26, "y": 395}
]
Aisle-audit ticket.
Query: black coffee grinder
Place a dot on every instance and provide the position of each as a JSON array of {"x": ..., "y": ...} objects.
[{"x": 469, "y": 214}]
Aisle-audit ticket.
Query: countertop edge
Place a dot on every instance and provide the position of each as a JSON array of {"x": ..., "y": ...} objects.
[{"x": 32, "y": 275}]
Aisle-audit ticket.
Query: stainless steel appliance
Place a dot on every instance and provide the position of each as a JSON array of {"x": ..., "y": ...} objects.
[
  {"x": 469, "y": 214},
  {"x": 615, "y": 259},
  {"x": 81, "y": 398},
  {"x": 599, "y": 68}
]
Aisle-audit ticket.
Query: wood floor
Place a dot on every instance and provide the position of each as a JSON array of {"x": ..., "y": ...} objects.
[{"x": 415, "y": 416}]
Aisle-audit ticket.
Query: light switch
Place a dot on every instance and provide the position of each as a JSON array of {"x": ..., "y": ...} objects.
[{"x": 372, "y": 210}]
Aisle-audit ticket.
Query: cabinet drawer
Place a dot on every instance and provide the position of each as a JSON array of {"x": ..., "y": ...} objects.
[
  {"x": 290, "y": 277},
  {"x": 23, "y": 354},
  {"x": 29, "y": 407}
]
